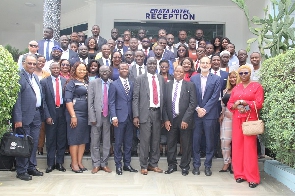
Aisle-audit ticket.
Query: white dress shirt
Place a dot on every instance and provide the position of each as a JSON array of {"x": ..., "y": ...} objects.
[
  {"x": 36, "y": 88},
  {"x": 105, "y": 61},
  {"x": 142, "y": 69},
  {"x": 51, "y": 45},
  {"x": 65, "y": 54},
  {"x": 86, "y": 60},
  {"x": 47, "y": 66},
  {"x": 178, "y": 94},
  {"x": 170, "y": 49},
  {"x": 218, "y": 74},
  {"x": 54, "y": 88},
  {"x": 150, "y": 79}
]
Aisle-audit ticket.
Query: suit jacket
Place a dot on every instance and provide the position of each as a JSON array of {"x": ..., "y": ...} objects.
[
  {"x": 223, "y": 80},
  {"x": 41, "y": 46},
  {"x": 187, "y": 103},
  {"x": 141, "y": 97},
  {"x": 49, "y": 97},
  {"x": 119, "y": 102},
  {"x": 168, "y": 55},
  {"x": 95, "y": 99},
  {"x": 133, "y": 72},
  {"x": 25, "y": 107},
  {"x": 73, "y": 54},
  {"x": 211, "y": 95},
  {"x": 101, "y": 41}
]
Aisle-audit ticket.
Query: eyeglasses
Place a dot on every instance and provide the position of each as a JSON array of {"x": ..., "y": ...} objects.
[
  {"x": 120, "y": 41},
  {"x": 181, "y": 50},
  {"x": 30, "y": 63},
  {"x": 243, "y": 73},
  {"x": 65, "y": 64},
  {"x": 200, "y": 51},
  {"x": 33, "y": 46},
  {"x": 163, "y": 67}
]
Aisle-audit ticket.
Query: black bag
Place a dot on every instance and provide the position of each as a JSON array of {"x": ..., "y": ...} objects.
[
  {"x": 6, "y": 163},
  {"x": 16, "y": 145}
]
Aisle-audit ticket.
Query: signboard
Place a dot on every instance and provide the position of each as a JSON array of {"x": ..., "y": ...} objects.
[{"x": 169, "y": 14}]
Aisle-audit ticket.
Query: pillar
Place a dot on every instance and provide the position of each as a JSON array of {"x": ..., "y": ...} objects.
[{"x": 51, "y": 16}]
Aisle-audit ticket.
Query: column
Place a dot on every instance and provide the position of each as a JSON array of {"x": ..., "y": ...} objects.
[{"x": 51, "y": 16}]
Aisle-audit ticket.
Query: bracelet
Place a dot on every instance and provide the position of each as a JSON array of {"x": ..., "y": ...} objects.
[{"x": 73, "y": 116}]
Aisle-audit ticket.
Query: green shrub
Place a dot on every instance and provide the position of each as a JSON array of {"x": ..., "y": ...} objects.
[
  {"x": 278, "y": 80},
  {"x": 9, "y": 87}
]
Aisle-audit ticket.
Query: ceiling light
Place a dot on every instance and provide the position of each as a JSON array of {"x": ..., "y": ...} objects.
[{"x": 30, "y": 4}]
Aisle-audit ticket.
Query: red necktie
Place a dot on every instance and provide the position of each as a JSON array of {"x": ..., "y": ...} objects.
[
  {"x": 145, "y": 52},
  {"x": 105, "y": 110},
  {"x": 155, "y": 91},
  {"x": 57, "y": 96},
  {"x": 215, "y": 72}
]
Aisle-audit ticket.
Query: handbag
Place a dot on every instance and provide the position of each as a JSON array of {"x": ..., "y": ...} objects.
[
  {"x": 253, "y": 127},
  {"x": 13, "y": 144}
]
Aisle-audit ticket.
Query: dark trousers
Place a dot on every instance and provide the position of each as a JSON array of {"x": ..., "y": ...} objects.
[
  {"x": 217, "y": 144},
  {"x": 149, "y": 136},
  {"x": 185, "y": 142},
  {"x": 56, "y": 137},
  {"x": 208, "y": 127},
  {"x": 33, "y": 129},
  {"x": 123, "y": 136},
  {"x": 134, "y": 139}
]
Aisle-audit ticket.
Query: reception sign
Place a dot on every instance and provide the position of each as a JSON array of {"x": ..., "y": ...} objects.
[{"x": 169, "y": 14}]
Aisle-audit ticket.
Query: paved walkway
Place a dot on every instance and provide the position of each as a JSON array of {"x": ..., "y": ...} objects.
[{"x": 110, "y": 184}]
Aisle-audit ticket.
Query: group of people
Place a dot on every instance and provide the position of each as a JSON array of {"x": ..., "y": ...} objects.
[{"x": 197, "y": 93}]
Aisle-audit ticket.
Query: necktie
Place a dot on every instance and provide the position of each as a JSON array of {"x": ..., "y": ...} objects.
[
  {"x": 119, "y": 50},
  {"x": 84, "y": 61},
  {"x": 139, "y": 71},
  {"x": 174, "y": 100},
  {"x": 155, "y": 91},
  {"x": 105, "y": 109},
  {"x": 215, "y": 72},
  {"x": 47, "y": 50},
  {"x": 107, "y": 63},
  {"x": 145, "y": 52},
  {"x": 57, "y": 96},
  {"x": 126, "y": 87}
]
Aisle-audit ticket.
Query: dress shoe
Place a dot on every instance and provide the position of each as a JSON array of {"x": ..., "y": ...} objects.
[
  {"x": 95, "y": 170},
  {"x": 49, "y": 169},
  {"x": 208, "y": 171},
  {"x": 86, "y": 152},
  {"x": 129, "y": 168},
  {"x": 196, "y": 171},
  {"x": 155, "y": 169},
  {"x": 253, "y": 184},
  {"x": 83, "y": 169},
  {"x": 144, "y": 171},
  {"x": 67, "y": 152},
  {"x": 106, "y": 169},
  {"x": 240, "y": 180},
  {"x": 35, "y": 172},
  {"x": 227, "y": 169},
  {"x": 60, "y": 167},
  {"x": 24, "y": 176},
  {"x": 134, "y": 154},
  {"x": 119, "y": 171},
  {"x": 170, "y": 170},
  {"x": 184, "y": 172},
  {"x": 76, "y": 171},
  {"x": 202, "y": 154}
]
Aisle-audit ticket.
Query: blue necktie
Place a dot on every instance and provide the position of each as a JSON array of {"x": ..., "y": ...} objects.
[
  {"x": 47, "y": 50},
  {"x": 107, "y": 63}
]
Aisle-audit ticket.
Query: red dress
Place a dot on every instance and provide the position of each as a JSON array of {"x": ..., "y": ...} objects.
[
  {"x": 187, "y": 78},
  {"x": 244, "y": 148}
]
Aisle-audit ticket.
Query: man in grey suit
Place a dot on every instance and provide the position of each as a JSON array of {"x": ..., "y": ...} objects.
[
  {"x": 27, "y": 115},
  {"x": 138, "y": 68},
  {"x": 106, "y": 55},
  {"x": 147, "y": 109},
  {"x": 99, "y": 119}
]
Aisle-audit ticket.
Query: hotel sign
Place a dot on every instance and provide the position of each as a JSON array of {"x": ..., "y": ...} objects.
[{"x": 169, "y": 14}]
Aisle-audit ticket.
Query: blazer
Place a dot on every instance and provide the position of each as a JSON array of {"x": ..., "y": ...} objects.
[
  {"x": 95, "y": 99},
  {"x": 168, "y": 55},
  {"x": 73, "y": 54},
  {"x": 141, "y": 97},
  {"x": 120, "y": 103},
  {"x": 133, "y": 72},
  {"x": 49, "y": 97},
  {"x": 41, "y": 46},
  {"x": 223, "y": 80},
  {"x": 187, "y": 103},
  {"x": 101, "y": 41},
  {"x": 211, "y": 95},
  {"x": 25, "y": 107}
]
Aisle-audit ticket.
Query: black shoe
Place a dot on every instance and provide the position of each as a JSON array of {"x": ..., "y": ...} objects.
[
  {"x": 170, "y": 170},
  {"x": 35, "y": 173},
  {"x": 134, "y": 154},
  {"x": 119, "y": 171},
  {"x": 240, "y": 180},
  {"x": 226, "y": 170},
  {"x": 253, "y": 184},
  {"x": 196, "y": 171},
  {"x": 49, "y": 169},
  {"x": 83, "y": 169},
  {"x": 202, "y": 154},
  {"x": 76, "y": 171},
  {"x": 184, "y": 172},
  {"x": 60, "y": 167},
  {"x": 129, "y": 168},
  {"x": 179, "y": 154},
  {"x": 24, "y": 176},
  {"x": 208, "y": 171}
]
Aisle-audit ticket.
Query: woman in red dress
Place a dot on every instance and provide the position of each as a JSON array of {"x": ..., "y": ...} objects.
[
  {"x": 188, "y": 66},
  {"x": 242, "y": 103}
]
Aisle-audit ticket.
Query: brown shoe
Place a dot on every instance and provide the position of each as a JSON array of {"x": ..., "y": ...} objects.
[
  {"x": 95, "y": 170},
  {"x": 155, "y": 169},
  {"x": 106, "y": 169},
  {"x": 144, "y": 171}
]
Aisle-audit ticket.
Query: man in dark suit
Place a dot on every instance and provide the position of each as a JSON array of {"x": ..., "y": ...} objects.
[
  {"x": 159, "y": 55},
  {"x": 120, "y": 104},
  {"x": 106, "y": 55},
  {"x": 47, "y": 43},
  {"x": 82, "y": 56},
  {"x": 119, "y": 45},
  {"x": 67, "y": 53},
  {"x": 138, "y": 68},
  {"x": 147, "y": 106},
  {"x": 95, "y": 34},
  {"x": 170, "y": 45},
  {"x": 179, "y": 105},
  {"x": 27, "y": 113},
  {"x": 54, "y": 115},
  {"x": 208, "y": 92},
  {"x": 167, "y": 54}
]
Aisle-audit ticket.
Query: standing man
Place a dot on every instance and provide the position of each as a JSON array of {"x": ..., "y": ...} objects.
[
  {"x": 170, "y": 45},
  {"x": 255, "y": 59},
  {"x": 208, "y": 92},
  {"x": 82, "y": 56},
  {"x": 54, "y": 114},
  {"x": 199, "y": 35},
  {"x": 47, "y": 43},
  {"x": 182, "y": 38},
  {"x": 138, "y": 68},
  {"x": 27, "y": 115},
  {"x": 66, "y": 53},
  {"x": 119, "y": 46},
  {"x": 120, "y": 101},
  {"x": 114, "y": 34},
  {"x": 140, "y": 35},
  {"x": 179, "y": 105},
  {"x": 95, "y": 34},
  {"x": 99, "y": 119},
  {"x": 133, "y": 44},
  {"x": 167, "y": 54},
  {"x": 33, "y": 48},
  {"x": 105, "y": 57},
  {"x": 56, "y": 54},
  {"x": 147, "y": 106},
  {"x": 224, "y": 59},
  {"x": 81, "y": 36},
  {"x": 159, "y": 55},
  {"x": 129, "y": 58},
  {"x": 233, "y": 60}
]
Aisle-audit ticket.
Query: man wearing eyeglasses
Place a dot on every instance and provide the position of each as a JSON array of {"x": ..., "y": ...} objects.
[
  {"x": 33, "y": 48},
  {"x": 119, "y": 45}
]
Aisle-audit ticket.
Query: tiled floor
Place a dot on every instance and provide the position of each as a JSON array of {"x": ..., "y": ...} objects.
[{"x": 110, "y": 184}]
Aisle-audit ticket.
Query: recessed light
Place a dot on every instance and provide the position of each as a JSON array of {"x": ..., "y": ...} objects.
[{"x": 30, "y": 4}]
